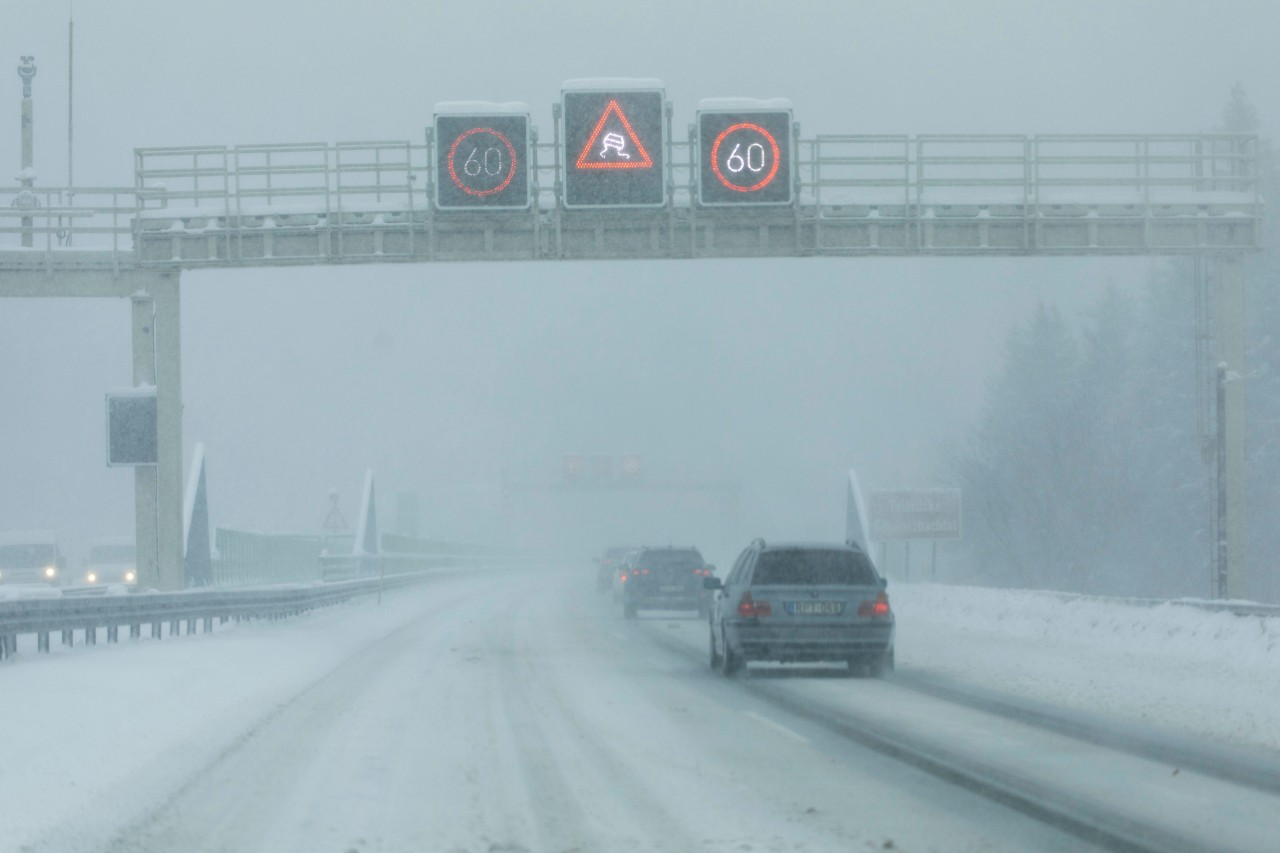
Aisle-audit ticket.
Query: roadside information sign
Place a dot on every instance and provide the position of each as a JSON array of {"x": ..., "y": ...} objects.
[{"x": 914, "y": 514}]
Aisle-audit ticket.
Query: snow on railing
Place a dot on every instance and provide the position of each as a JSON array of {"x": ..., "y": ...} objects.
[{"x": 68, "y": 615}]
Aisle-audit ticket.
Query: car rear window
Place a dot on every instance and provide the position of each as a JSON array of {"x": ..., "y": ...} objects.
[
  {"x": 811, "y": 567},
  {"x": 672, "y": 559}
]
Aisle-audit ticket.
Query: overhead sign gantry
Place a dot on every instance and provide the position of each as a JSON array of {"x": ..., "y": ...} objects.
[{"x": 742, "y": 185}]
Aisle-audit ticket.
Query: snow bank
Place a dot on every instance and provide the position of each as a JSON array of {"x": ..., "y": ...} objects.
[{"x": 1204, "y": 673}]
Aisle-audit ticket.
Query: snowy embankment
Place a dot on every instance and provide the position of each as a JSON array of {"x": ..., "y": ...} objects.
[
  {"x": 90, "y": 733},
  {"x": 1177, "y": 667}
]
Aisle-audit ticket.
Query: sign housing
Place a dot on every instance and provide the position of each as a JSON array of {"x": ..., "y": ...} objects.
[
  {"x": 132, "y": 427},
  {"x": 482, "y": 157},
  {"x": 914, "y": 514},
  {"x": 615, "y": 141},
  {"x": 745, "y": 152}
]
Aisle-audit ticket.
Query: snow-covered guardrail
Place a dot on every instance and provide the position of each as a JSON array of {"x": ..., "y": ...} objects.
[{"x": 67, "y": 615}]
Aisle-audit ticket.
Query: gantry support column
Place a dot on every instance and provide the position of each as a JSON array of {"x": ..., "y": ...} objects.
[
  {"x": 1232, "y": 478},
  {"x": 168, "y": 373},
  {"x": 157, "y": 359},
  {"x": 145, "y": 477}
]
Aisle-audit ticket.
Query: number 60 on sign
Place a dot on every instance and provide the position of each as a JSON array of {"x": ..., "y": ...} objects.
[
  {"x": 481, "y": 161},
  {"x": 744, "y": 157}
]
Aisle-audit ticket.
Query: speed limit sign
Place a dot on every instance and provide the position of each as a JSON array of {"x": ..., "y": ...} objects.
[
  {"x": 482, "y": 160},
  {"x": 745, "y": 157}
]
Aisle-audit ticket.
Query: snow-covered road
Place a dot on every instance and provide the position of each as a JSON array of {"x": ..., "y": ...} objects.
[{"x": 509, "y": 711}]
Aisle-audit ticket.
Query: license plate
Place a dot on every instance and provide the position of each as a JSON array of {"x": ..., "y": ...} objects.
[{"x": 816, "y": 608}]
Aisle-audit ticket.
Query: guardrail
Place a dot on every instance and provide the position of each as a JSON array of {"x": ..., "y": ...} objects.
[{"x": 87, "y": 615}]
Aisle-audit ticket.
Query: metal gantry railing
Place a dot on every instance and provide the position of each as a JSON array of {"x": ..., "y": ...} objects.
[{"x": 864, "y": 194}]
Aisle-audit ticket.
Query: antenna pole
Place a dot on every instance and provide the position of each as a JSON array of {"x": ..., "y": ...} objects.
[{"x": 71, "y": 53}]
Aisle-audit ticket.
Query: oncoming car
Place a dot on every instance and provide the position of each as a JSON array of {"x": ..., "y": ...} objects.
[
  {"x": 801, "y": 603},
  {"x": 30, "y": 557},
  {"x": 665, "y": 579},
  {"x": 111, "y": 561}
]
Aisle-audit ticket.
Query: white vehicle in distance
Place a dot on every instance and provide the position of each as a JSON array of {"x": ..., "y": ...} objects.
[
  {"x": 30, "y": 557},
  {"x": 111, "y": 561}
]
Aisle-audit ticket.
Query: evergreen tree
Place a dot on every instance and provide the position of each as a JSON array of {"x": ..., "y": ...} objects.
[{"x": 1018, "y": 469}]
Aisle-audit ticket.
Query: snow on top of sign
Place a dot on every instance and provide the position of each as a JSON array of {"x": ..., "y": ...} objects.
[
  {"x": 482, "y": 108},
  {"x": 725, "y": 104},
  {"x": 612, "y": 83}
]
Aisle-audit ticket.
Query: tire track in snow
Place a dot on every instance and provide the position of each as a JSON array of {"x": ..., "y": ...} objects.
[{"x": 232, "y": 802}]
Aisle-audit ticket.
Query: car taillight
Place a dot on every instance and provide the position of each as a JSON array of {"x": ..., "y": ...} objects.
[
  {"x": 635, "y": 572},
  {"x": 877, "y": 609},
  {"x": 702, "y": 572},
  {"x": 750, "y": 608}
]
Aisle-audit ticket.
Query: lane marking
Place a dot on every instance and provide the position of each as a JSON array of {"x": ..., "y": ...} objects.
[{"x": 777, "y": 727}]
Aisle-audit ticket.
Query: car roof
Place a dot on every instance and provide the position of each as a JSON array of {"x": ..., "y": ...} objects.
[{"x": 810, "y": 546}]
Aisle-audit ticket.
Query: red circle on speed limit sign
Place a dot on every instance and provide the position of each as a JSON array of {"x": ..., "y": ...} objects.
[
  {"x": 759, "y": 157},
  {"x": 484, "y": 163}
]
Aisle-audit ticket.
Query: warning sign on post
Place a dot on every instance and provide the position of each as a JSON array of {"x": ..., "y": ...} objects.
[{"x": 615, "y": 148}]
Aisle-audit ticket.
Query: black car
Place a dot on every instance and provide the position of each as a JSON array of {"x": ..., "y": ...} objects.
[
  {"x": 802, "y": 603},
  {"x": 666, "y": 579}
]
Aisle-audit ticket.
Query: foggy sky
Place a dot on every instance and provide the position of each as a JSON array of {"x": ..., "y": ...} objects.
[{"x": 779, "y": 374}]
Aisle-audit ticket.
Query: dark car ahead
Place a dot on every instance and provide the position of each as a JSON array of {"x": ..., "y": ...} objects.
[
  {"x": 607, "y": 565},
  {"x": 666, "y": 579},
  {"x": 801, "y": 603}
]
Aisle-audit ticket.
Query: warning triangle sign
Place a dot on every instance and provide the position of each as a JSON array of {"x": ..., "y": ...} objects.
[{"x": 611, "y": 149}]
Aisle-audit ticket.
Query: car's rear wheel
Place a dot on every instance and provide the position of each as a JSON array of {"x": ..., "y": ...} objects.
[
  {"x": 730, "y": 661},
  {"x": 629, "y": 609},
  {"x": 715, "y": 655}
]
